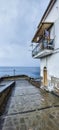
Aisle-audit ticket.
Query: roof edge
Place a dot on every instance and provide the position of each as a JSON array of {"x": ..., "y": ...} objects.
[
  {"x": 47, "y": 11},
  {"x": 39, "y": 29}
]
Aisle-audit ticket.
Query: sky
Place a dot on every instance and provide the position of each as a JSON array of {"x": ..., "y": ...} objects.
[{"x": 18, "y": 23}]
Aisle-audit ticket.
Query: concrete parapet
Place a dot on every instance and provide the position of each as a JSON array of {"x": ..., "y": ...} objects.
[
  {"x": 4, "y": 93},
  {"x": 16, "y": 77},
  {"x": 55, "y": 82},
  {"x": 35, "y": 82}
]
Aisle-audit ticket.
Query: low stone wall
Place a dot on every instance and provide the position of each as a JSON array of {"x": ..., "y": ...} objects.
[
  {"x": 55, "y": 84},
  {"x": 4, "y": 94},
  {"x": 55, "y": 81},
  {"x": 35, "y": 83},
  {"x": 16, "y": 77},
  {"x": 1, "y": 79}
]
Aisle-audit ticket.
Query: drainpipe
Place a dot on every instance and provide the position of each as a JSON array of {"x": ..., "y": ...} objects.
[{"x": 45, "y": 80}]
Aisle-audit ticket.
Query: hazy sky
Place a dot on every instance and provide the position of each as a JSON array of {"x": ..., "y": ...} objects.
[{"x": 18, "y": 23}]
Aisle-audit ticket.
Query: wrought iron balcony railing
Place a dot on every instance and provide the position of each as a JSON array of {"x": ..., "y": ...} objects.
[{"x": 42, "y": 46}]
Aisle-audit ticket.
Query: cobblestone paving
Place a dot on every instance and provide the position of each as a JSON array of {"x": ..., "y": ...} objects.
[{"x": 31, "y": 109}]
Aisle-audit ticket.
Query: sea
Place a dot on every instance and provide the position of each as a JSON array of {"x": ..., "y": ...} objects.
[{"x": 33, "y": 72}]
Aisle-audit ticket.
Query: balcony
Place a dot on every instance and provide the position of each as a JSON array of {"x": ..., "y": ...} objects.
[{"x": 43, "y": 49}]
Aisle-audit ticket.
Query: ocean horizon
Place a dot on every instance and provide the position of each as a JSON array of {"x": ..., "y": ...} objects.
[{"x": 33, "y": 72}]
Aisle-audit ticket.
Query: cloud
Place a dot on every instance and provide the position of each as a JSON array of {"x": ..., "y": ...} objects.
[{"x": 18, "y": 22}]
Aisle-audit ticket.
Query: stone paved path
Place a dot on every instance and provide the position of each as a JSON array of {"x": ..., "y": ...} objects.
[{"x": 30, "y": 108}]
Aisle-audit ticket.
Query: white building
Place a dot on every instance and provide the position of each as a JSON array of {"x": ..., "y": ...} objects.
[{"x": 47, "y": 50}]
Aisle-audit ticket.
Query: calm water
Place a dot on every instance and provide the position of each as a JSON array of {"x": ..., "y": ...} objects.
[{"x": 30, "y": 71}]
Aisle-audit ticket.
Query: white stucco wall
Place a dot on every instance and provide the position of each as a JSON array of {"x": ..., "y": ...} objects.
[
  {"x": 52, "y": 65},
  {"x": 54, "y": 13},
  {"x": 42, "y": 64},
  {"x": 56, "y": 26},
  {"x": 52, "y": 61},
  {"x": 54, "y": 33},
  {"x": 53, "y": 16}
]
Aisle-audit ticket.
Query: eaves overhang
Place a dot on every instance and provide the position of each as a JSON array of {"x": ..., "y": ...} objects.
[
  {"x": 49, "y": 7},
  {"x": 39, "y": 33}
]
